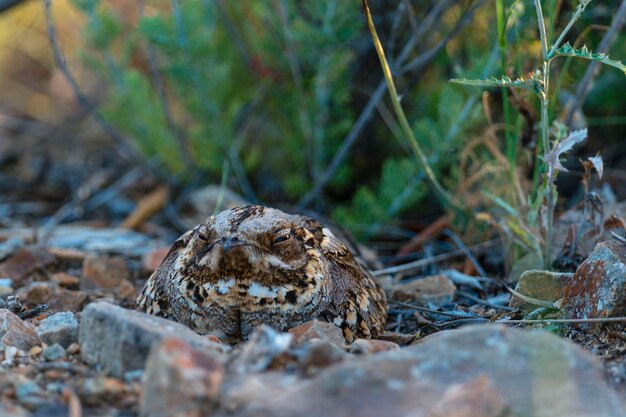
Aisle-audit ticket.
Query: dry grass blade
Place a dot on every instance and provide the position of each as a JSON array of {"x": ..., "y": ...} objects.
[
  {"x": 530, "y": 300},
  {"x": 404, "y": 124}
]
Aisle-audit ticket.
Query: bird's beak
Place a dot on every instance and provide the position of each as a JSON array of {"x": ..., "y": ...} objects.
[{"x": 230, "y": 242}]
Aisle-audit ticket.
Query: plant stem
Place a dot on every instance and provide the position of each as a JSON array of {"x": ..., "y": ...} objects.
[
  {"x": 404, "y": 124},
  {"x": 545, "y": 144},
  {"x": 582, "y": 4},
  {"x": 542, "y": 30}
]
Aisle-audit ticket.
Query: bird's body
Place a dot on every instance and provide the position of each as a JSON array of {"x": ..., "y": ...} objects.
[{"x": 257, "y": 265}]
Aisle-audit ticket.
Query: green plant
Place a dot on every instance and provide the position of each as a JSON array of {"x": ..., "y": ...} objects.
[{"x": 535, "y": 232}]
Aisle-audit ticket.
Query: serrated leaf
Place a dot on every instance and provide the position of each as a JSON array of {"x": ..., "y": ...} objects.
[
  {"x": 564, "y": 146},
  {"x": 530, "y": 84},
  {"x": 598, "y": 164},
  {"x": 584, "y": 53}
]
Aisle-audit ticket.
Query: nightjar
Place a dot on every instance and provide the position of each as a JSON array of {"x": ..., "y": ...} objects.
[{"x": 258, "y": 265}]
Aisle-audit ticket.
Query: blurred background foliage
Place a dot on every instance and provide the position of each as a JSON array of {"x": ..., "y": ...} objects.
[{"x": 265, "y": 95}]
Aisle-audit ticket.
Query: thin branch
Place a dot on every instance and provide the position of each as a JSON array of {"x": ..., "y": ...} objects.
[
  {"x": 459, "y": 243},
  {"x": 412, "y": 266},
  {"x": 592, "y": 70},
  {"x": 122, "y": 146}
]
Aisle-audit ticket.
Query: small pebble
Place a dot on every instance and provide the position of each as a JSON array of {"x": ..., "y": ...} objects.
[
  {"x": 54, "y": 352},
  {"x": 26, "y": 390},
  {"x": 35, "y": 351},
  {"x": 132, "y": 376},
  {"x": 73, "y": 349}
]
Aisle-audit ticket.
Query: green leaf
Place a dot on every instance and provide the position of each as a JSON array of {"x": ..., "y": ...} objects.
[
  {"x": 532, "y": 84},
  {"x": 568, "y": 50}
]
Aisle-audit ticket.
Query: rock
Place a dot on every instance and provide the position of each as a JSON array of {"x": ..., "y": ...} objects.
[
  {"x": 63, "y": 279},
  {"x": 37, "y": 293},
  {"x": 119, "y": 340},
  {"x": 126, "y": 290},
  {"x": 73, "y": 349},
  {"x": 28, "y": 392},
  {"x": 15, "y": 332},
  {"x": 57, "y": 299},
  {"x": 540, "y": 285},
  {"x": 436, "y": 290},
  {"x": 101, "y": 388},
  {"x": 316, "y": 329},
  {"x": 61, "y": 328},
  {"x": 25, "y": 261},
  {"x": 8, "y": 410},
  {"x": 54, "y": 352},
  {"x": 266, "y": 347},
  {"x": 66, "y": 300},
  {"x": 475, "y": 398},
  {"x": 368, "y": 346},
  {"x": 103, "y": 272},
  {"x": 486, "y": 370},
  {"x": 180, "y": 381},
  {"x": 319, "y": 354},
  {"x": 598, "y": 288},
  {"x": 153, "y": 259},
  {"x": 12, "y": 303}
]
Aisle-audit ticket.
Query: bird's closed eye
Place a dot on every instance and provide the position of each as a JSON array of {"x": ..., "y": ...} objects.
[{"x": 282, "y": 238}]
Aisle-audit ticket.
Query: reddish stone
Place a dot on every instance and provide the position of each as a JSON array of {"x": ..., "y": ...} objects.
[
  {"x": 17, "y": 333},
  {"x": 25, "y": 261},
  {"x": 367, "y": 346},
  {"x": 598, "y": 288},
  {"x": 316, "y": 329},
  {"x": 153, "y": 259},
  {"x": 180, "y": 381},
  {"x": 65, "y": 280},
  {"x": 103, "y": 272},
  {"x": 478, "y": 397}
]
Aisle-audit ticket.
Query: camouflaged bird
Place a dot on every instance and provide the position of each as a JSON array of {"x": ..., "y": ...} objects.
[{"x": 252, "y": 265}]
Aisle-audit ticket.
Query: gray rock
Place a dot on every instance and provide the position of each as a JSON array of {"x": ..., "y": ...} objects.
[
  {"x": 28, "y": 393},
  {"x": 61, "y": 328},
  {"x": 180, "y": 381},
  {"x": 119, "y": 340},
  {"x": 54, "y": 352},
  {"x": 598, "y": 288},
  {"x": 484, "y": 370},
  {"x": 16, "y": 332}
]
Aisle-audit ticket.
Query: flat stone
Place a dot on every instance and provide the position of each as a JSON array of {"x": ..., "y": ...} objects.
[
  {"x": 61, "y": 328},
  {"x": 119, "y": 340},
  {"x": 180, "y": 380},
  {"x": 57, "y": 298},
  {"x": 598, "y": 288},
  {"x": 435, "y": 290},
  {"x": 103, "y": 272},
  {"x": 540, "y": 285},
  {"x": 486, "y": 370},
  {"x": 316, "y": 329},
  {"x": 16, "y": 332}
]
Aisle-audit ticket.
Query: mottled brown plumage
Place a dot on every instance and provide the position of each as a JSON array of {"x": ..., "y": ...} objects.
[{"x": 253, "y": 265}]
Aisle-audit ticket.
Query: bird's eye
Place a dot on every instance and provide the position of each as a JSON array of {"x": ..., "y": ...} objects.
[{"x": 282, "y": 238}]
